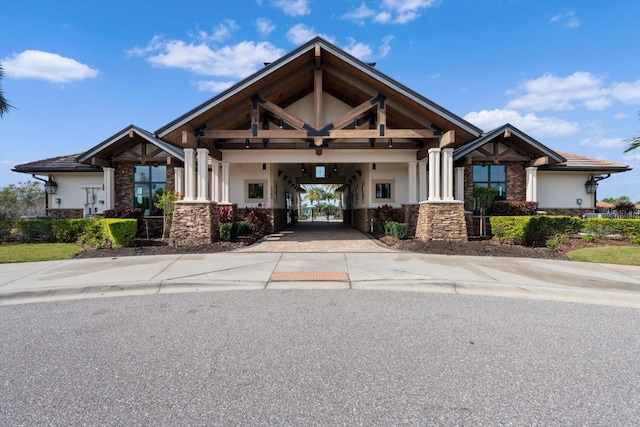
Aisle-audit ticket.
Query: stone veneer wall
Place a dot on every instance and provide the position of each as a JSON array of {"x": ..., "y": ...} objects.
[
  {"x": 194, "y": 223},
  {"x": 123, "y": 183},
  {"x": 65, "y": 213},
  {"x": 278, "y": 219},
  {"x": 440, "y": 220},
  {"x": 411, "y": 213}
]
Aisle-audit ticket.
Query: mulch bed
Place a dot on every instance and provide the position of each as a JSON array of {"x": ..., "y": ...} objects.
[{"x": 474, "y": 247}]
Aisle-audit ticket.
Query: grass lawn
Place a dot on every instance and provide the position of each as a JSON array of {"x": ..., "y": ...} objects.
[
  {"x": 627, "y": 255},
  {"x": 29, "y": 252}
]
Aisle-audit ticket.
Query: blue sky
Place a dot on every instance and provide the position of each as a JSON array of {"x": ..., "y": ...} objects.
[{"x": 565, "y": 72}]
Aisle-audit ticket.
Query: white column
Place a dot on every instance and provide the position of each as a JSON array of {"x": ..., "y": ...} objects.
[
  {"x": 447, "y": 174},
  {"x": 225, "y": 182},
  {"x": 460, "y": 183},
  {"x": 203, "y": 171},
  {"x": 434, "y": 174},
  {"x": 179, "y": 180},
  {"x": 422, "y": 180},
  {"x": 108, "y": 182},
  {"x": 215, "y": 181},
  {"x": 532, "y": 184},
  {"x": 189, "y": 174},
  {"x": 412, "y": 182}
]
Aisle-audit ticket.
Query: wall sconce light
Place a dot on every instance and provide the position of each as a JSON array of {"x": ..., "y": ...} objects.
[
  {"x": 280, "y": 124},
  {"x": 50, "y": 187},
  {"x": 591, "y": 185},
  {"x": 246, "y": 143},
  {"x": 355, "y": 123},
  {"x": 264, "y": 166},
  {"x": 390, "y": 142},
  {"x": 374, "y": 166}
]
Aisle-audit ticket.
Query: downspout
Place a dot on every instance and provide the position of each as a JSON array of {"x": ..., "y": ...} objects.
[
  {"x": 595, "y": 194},
  {"x": 46, "y": 196}
]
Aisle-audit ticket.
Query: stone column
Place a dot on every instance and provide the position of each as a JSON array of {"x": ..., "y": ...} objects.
[
  {"x": 215, "y": 182},
  {"x": 422, "y": 180},
  {"x": 447, "y": 174},
  {"x": 108, "y": 181},
  {"x": 459, "y": 194},
  {"x": 532, "y": 184},
  {"x": 225, "y": 182},
  {"x": 189, "y": 174},
  {"x": 434, "y": 174},
  {"x": 412, "y": 182},
  {"x": 179, "y": 180},
  {"x": 203, "y": 170}
]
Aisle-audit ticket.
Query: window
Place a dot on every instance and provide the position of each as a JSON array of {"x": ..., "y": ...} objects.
[
  {"x": 491, "y": 176},
  {"x": 384, "y": 191},
  {"x": 255, "y": 191},
  {"x": 148, "y": 183},
  {"x": 321, "y": 172}
]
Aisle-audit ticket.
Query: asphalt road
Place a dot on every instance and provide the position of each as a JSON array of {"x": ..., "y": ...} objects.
[{"x": 314, "y": 357}]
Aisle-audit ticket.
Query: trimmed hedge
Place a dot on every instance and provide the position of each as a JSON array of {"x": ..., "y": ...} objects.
[
  {"x": 97, "y": 233},
  {"x": 514, "y": 208},
  {"x": 230, "y": 230},
  {"x": 536, "y": 230}
]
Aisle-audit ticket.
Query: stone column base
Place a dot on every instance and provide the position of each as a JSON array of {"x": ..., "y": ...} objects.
[
  {"x": 194, "y": 223},
  {"x": 442, "y": 220}
]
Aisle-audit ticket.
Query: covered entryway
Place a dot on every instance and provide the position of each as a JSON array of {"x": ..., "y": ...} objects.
[{"x": 319, "y": 237}]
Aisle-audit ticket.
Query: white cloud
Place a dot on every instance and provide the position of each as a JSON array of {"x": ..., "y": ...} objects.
[
  {"x": 569, "y": 20},
  {"x": 390, "y": 11},
  {"x": 264, "y": 26},
  {"x": 620, "y": 116},
  {"x": 385, "y": 47},
  {"x": 537, "y": 127},
  {"x": 359, "y": 50},
  {"x": 360, "y": 15},
  {"x": 580, "y": 89},
  {"x": 300, "y": 34},
  {"x": 236, "y": 61},
  {"x": 213, "y": 86},
  {"x": 36, "y": 64},
  {"x": 223, "y": 31},
  {"x": 293, "y": 7},
  {"x": 628, "y": 93},
  {"x": 604, "y": 143}
]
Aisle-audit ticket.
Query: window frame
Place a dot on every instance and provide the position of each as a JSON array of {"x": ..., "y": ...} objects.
[
  {"x": 392, "y": 190},
  {"x": 150, "y": 183},
  {"x": 247, "y": 183},
  {"x": 489, "y": 182}
]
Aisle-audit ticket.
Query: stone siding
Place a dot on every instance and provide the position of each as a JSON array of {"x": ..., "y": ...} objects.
[
  {"x": 65, "y": 213},
  {"x": 444, "y": 221},
  {"x": 123, "y": 183},
  {"x": 194, "y": 223},
  {"x": 278, "y": 219},
  {"x": 410, "y": 217},
  {"x": 516, "y": 183}
]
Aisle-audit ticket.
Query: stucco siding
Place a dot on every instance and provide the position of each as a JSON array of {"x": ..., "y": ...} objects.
[
  {"x": 562, "y": 189},
  {"x": 79, "y": 191}
]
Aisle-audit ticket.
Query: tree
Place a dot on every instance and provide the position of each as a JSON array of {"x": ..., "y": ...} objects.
[
  {"x": 314, "y": 194},
  {"x": 4, "y": 104},
  {"x": 634, "y": 143},
  {"x": 24, "y": 198}
]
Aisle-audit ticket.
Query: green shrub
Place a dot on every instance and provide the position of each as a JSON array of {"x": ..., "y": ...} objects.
[
  {"x": 36, "y": 230},
  {"x": 605, "y": 226},
  {"x": 68, "y": 230},
  {"x": 243, "y": 228},
  {"x": 260, "y": 220},
  {"x": 226, "y": 231},
  {"x": 589, "y": 238},
  {"x": 510, "y": 229},
  {"x": 542, "y": 227},
  {"x": 556, "y": 241},
  {"x": 395, "y": 229},
  {"x": 94, "y": 235},
  {"x": 121, "y": 232}
]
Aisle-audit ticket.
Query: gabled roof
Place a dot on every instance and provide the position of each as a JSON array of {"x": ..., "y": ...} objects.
[
  {"x": 529, "y": 144},
  {"x": 574, "y": 162},
  {"x": 275, "y": 70},
  {"x": 124, "y": 133},
  {"x": 67, "y": 163}
]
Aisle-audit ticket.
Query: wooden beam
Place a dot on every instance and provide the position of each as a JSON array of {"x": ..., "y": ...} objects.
[
  {"x": 448, "y": 139},
  {"x": 410, "y": 133},
  {"x": 189, "y": 140},
  {"x": 96, "y": 161},
  {"x": 350, "y": 115},
  {"x": 284, "y": 115},
  {"x": 374, "y": 133},
  {"x": 262, "y": 133},
  {"x": 317, "y": 95},
  {"x": 318, "y": 57},
  {"x": 132, "y": 133},
  {"x": 507, "y": 133},
  {"x": 544, "y": 160}
]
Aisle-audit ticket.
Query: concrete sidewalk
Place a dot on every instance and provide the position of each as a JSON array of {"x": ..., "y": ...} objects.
[{"x": 143, "y": 275}]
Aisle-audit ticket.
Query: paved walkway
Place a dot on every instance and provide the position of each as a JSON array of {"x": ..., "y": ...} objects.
[{"x": 318, "y": 236}]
